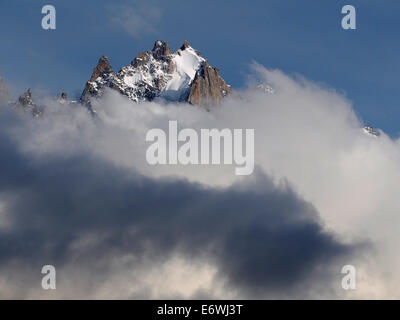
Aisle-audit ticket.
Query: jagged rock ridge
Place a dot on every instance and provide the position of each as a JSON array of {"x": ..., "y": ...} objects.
[
  {"x": 370, "y": 130},
  {"x": 180, "y": 76},
  {"x": 25, "y": 102}
]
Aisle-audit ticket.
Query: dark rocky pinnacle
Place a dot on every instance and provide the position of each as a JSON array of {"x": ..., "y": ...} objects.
[
  {"x": 103, "y": 67},
  {"x": 25, "y": 99},
  {"x": 62, "y": 96},
  {"x": 160, "y": 49},
  {"x": 185, "y": 45}
]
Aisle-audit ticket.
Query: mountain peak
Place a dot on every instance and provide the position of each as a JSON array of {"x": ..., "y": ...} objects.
[
  {"x": 103, "y": 67},
  {"x": 62, "y": 96},
  {"x": 208, "y": 87},
  {"x": 25, "y": 102},
  {"x": 370, "y": 130},
  {"x": 160, "y": 73},
  {"x": 101, "y": 76},
  {"x": 25, "y": 99},
  {"x": 185, "y": 45},
  {"x": 160, "y": 49}
]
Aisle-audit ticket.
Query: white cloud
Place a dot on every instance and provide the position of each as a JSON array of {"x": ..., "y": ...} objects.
[
  {"x": 304, "y": 133},
  {"x": 135, "y": 20}
]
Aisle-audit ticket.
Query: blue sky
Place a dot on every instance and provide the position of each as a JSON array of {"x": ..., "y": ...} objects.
[{"x": 298, "y": 37}]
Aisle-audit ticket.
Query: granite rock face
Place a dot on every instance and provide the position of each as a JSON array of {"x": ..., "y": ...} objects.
[
  {"x": 207, "y": 88},
  {"x": 181, "y": 76},
  {"x": 102, "y": 76},
  {"x": 160, "y": 50}
]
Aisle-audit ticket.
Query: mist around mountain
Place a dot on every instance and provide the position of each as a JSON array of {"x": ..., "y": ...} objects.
[
  {"x": 77, "y": 188},
  {"x": 182, "y": 76}
]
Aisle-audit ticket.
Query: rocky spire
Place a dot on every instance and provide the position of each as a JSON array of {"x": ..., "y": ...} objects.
[
  {"x": 25, "y": 102},
  {"x": 103, "y": 71},
  {"x": 62, "y": 96},
  {"x": 160, "y": 49},
  {"x": 207, "y": 87},
  {"x": 185, "y": 45},
  {"x": 103, "y": 67}
]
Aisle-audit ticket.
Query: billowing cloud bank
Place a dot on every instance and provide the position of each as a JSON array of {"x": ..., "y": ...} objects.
[{"x": 77, "y": 192}]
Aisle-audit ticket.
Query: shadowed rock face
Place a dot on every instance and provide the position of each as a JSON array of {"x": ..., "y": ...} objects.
[
  {"x": 103, "y": 72},
  {"x": 25, "y": 102},
  {"x": 208, "y": 88},
  {"x": 4, "y": 97},
  {"x": 185, "y": 45},
  {"x": 160, "y": 49},
  {"x": 103, "y": 68},
  {"x": 182, "y": 76}
]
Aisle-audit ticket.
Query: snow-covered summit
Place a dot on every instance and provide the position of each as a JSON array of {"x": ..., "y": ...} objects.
[{"x": 180, "y": 76}]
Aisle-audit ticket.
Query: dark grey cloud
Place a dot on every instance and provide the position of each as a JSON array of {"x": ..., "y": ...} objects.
[{"x": 265, "y": 240}]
